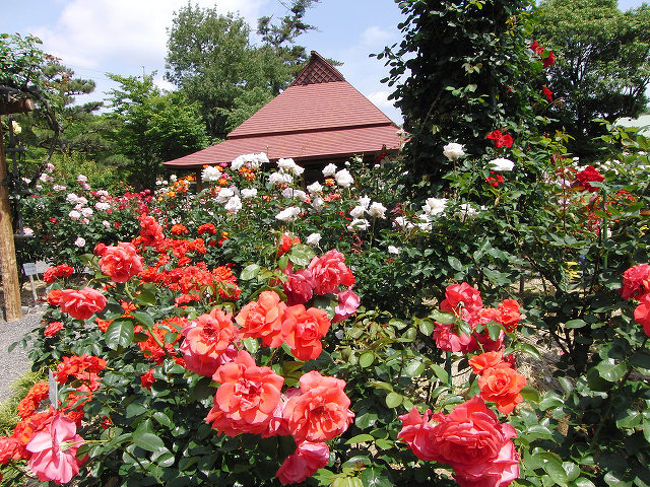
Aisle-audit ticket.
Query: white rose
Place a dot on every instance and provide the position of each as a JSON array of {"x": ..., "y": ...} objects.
[
  {"x": 28, "y": 231},
  {"x": 80, "y": 242},
  {"x": 248, "y": 193},
  {"x": 377, "y": 210},
  {"x": 15, "y": 126},
  {"x": 102, "y": 206},
  {"x": 280, "y": 178},
  {"x": 501, "y": 164},
  {"x": 357, "y": 212},
  {"x": 59, "y": 187},
  {"x": 224, "y": 195},
  {"x": 453, "y": 151},
  {"x": 393, "y": 250},
  {"x": 313, "y": 239},
  {"x": 74, "y": 214},
  {"x": 237, "y": 163},
  {"x": 434, "y": 206},
  {"x": 315, "y": 188},
  {"x": 82, "y": 179},
  {"x": 344, "y": 178},
  {"x": 358, "y": 224},
  {"x": 364, "y": 201},
  {"x": 173, "y": 178},
  {"x": 234, "y": 204},
  {"x": 317, "y": 203},
  {"x": 71, "y": 198},
  {"x": 329, "y": 170},
  {"x": 87, "y": 212},
  {"x": 288, "y": 214},
  {"x": 107, "y": 224}
]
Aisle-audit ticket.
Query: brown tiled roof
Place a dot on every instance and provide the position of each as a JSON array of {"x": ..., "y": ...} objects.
[{"x": 319, "y": 115}]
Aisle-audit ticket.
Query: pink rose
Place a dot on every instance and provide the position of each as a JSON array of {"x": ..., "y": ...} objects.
[
  {"x": 348, "y": 303},
  {"x": 305, "y": 462},
  {"x": 329, "y": 272},
  {"x": 300, "y": 287},
  {"x": 120, "y": 262}
]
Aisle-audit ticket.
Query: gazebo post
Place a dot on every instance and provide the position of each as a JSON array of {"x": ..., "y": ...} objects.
[{"x": 9, "y": 266}]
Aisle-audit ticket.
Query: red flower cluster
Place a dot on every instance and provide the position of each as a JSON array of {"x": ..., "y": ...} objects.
[
  {"x": 464, "y": 301},
  {"x": 286, "y": 242},
  {"x": 85, "y": 368},
  {"x": 494, "y": 181},
  {"x": 53, "y": 328},
  {"x": 500, "y": 139},
  {"x": 498, "y": 381},
  {"x": 207, "y": 228},
  {"x": 636, "y": 285},
  {"x": 179, "y": 229},
  {"x": 53, "y": 273},
  {"x": 470, "y": 439},
  {"x": 587, "y": 175},
  {"x": 548, "y": 93},
  {"x": 150, "y": 347},
  {"x": 547, "y": 60},
  {"x": 29, "y": 404}
]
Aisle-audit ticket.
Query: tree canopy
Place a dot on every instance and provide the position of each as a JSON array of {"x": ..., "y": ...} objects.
[{"x": 602, "y": 68}]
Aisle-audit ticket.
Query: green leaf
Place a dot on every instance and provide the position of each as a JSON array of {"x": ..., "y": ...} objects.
[
  {"x": 582, "y": 482},
  {"x": 414, "y": 368},
  {"x": 442, "y": 317},
  {"x": 530, "y": 394},
  {"x": 144, "y": 318},
  {"x": 372, "y": 477},
  {"x": 362, "y": 438},
  {"x": 571, "y": 469},
  {"x": 394, "y": 399},
  {"x": 301, "y": 254},
  {"x": 611, "y": 371},
  {"x": 398, "y": 324},
  {"x": 366, "y": 359},
  {"x": 249, "y": 272},
  {"x": 641, "y": 359},
  {"x": 426, "y": 327},
  {"x": 529, "y": 349},
  {"x": 147, "y": 294},
  {"x": 494, "y": 330},
  {"x": 148, "y": 441},
  {"x": 251, "y": 344},
  {"x": 440, "y": 373},
  {"x": 163, "y": 419},
  {"x": 552, "y": 465},
  {"x": 575, "y": 324},
  {"x": 119, "y": 334},
  {"x": 455, "y": 263}
]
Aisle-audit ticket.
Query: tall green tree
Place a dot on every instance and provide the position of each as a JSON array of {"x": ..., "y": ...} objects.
[
  {"x": 602, "y": 68},
  {"x": 151, "y": 127},
  {"x": 210, "y": 57},
  {"x": 462, "y": 70}
]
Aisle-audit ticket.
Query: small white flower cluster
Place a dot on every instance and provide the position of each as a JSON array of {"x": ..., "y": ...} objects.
[
  {"x": 287, "y": 169},
  {"x": 289, "y": 215},
  {"x": 313, "y": 239},
  {"x": 501, "y": 164},
  {"x": 253, "y": 161},
  {"x": 15, "y": 126},
  {"x": 374, "y": 210},
  {"x": 294, "y": 193},
  {"x": 343, "y": 177},
  {"x": 434, "y": 206},
  {"x": 230, "y": 199},
  {"x": 453, "y": 151},
  {"x": 211, "y": 174}
]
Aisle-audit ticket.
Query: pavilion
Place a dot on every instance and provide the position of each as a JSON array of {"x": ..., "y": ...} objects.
[{"x": 320, "y": 118}]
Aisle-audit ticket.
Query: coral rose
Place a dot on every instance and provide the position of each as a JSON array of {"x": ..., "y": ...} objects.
[
  {"x": 305, "y": 462},
  {"x": 481, "y": 362},
  {"x": 321, "y": 411},
  {"x": 81, "y": 304},
  {"x": 502, "y": 386},
  {"x": 263, "y": 319},
  {"x": 121, "y": 262},
  {"x": 206, "y": 340},
  {"x": 247, "y": 396},
  {"x": 54, "y": 297},
  {"x": 329, "y": 272},
  {"x": 302, "y": 330}
]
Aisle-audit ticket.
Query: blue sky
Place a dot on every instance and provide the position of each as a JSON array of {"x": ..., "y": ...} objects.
[{"x": 94, "y": 37}]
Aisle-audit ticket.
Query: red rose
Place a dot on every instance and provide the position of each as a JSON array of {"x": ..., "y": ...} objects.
[
  {"x": 54, "y": 297},
  {"x": 121, "y": 262},
  {"x": 463, "y": 300},
  {"x": 329, "y": 272},
  {"x": 286, "y": 242},
  {"x": 53, "y": 328},
  {"x": 587, "y": 175},
  {"x": 549, "y": 60},
  {"x": 636, "y": 281},
  {"x": 449, "y": 340},
  {"x": 305, "y": 462},
  {"x": 302, "y": 330},
  {"x": 642, "y": 313},
  {"x": 147, "y": 380},
  {"x": 548, "y": 93},
  {"x": 99, "y": 249},
  {"x": 81, "y": 304},
  {"x": 500, "y": 139}
]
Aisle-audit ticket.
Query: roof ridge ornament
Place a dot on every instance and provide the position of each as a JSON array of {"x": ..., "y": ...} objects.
[{"x": 318, "y": 70}]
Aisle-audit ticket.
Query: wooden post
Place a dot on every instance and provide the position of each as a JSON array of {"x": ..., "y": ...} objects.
[
  {"x": 10, "y": 282},
  {"x": 8, "y": 264}
]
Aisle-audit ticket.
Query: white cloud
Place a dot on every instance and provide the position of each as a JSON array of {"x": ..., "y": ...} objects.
[
  {"x": 97, "y": 33},
  {"x": 380, "y": 98},
  {"x": 375, "y": 37}
]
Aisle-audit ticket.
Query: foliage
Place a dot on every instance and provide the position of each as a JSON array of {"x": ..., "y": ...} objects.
[
  {"x": 212, "y": 60},
  {"x": 151, "y": 127},
  {"x": 602, "y": 69},
  {"x": 462, "y": 70}
]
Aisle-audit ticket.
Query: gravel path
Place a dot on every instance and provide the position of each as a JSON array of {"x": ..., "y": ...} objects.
[{"x": 16, "y": 363}]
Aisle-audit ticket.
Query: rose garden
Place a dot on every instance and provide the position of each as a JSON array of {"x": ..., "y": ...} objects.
[{"x": 487, "y": 326}]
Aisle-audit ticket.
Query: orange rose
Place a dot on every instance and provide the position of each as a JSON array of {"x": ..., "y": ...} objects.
[
  {"x": 54, "y": 297},
  {"x": 121, "y": 262},
  {"x": 263, "y": 319},
  {"x": 502, "y": 385},
  {"x": 321, "y": 411},
  {"x": 480, "y": 363},
  {"x": 82, "y": 303},
  {"x": 206, "y": 339},
  {"x": 508, "y": 314},
  {"x": 302, "y": 330}
]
